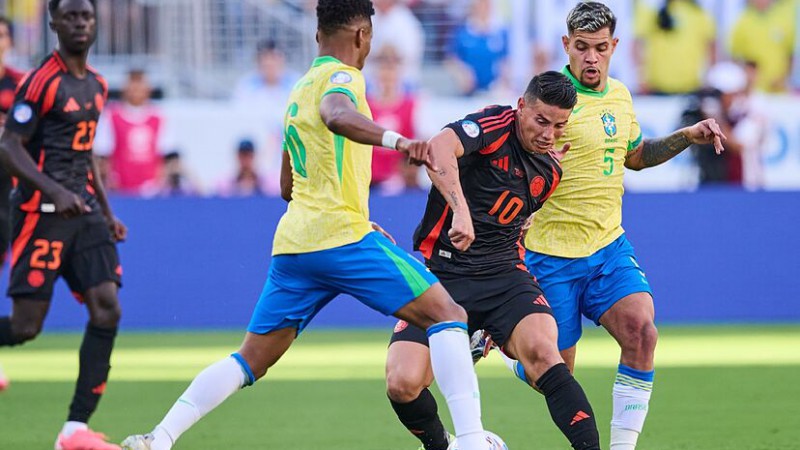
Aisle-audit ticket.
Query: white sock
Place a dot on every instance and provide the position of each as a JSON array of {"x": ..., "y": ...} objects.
[
  {"x": 451, "y": 360},
  {"x": 631, "y": 395},
  {"x": 71, "y": 427},
  {"x": 514, "y": 366},
  {"x": 208, "y": 390}
]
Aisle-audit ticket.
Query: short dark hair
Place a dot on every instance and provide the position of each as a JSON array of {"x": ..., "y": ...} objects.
[
  {"x": 53, "y": 5},
  {"x": 266, "y": 46},
  {"x": 552, "y": 88},
  {"x": 335, "y": 14},
  {"x": 9, "y": 24},
  {"x": 591, "y": 17}
]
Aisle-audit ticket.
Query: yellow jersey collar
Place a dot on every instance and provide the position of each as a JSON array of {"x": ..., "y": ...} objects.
[{"x": 320, "y": 60}]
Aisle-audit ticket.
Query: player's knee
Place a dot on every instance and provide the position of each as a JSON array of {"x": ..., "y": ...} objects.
[
  {"x": 453, "y": 312},
  {"x": 107, "y": 315},
  {"x": 25, "y": 332},
  {"x": 640, "y": 335},
  {"x": 403, "y": 387}
]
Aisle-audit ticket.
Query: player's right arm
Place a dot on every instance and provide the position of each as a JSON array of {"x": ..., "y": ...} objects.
[
  {"x": 341, "y": 117},
  {"x": 446, "y": 148},
  {"x": 19, "y": 163}
]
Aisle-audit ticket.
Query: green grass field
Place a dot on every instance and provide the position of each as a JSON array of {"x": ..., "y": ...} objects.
[{"x": 716, "y": 388}]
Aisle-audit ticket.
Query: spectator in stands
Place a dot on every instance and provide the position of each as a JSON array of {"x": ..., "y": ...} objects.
[
  {"x": 675, "y": 46},
  {"x": 393, "y": 108},
  {"x": 132, "y": 135},
  {"x": 271, "y": 83},
  {"x": 728, "y": 101},
  {"x": 765, "y": 34},
  {"x": 9, "y": 77},
  {"x": 395, "y": 24},
  {"x": 478, "y": 50},
  {"x": 175, "y": 179},
  {"x": 246, "y": 182}
]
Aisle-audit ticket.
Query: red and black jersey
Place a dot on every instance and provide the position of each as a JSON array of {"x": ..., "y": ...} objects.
[
  {"x": 503, "y": 184},
  {"x": 8, "y": 86},
  {"x": 57, "y": 113}
]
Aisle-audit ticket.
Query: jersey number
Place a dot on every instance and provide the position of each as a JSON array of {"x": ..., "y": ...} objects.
[
  {"x": 294, "y": 144},
  {"x": 84, "y": 136},
  {"x": 43, "y": 247},
  {"x": 608, "y": 157},
  {"x": 510, "y": 211}
]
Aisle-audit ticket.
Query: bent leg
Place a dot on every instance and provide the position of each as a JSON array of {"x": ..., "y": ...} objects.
[
  {"x": 95, "y": 351},
  {"x": 219, "y": 381},
  {"x": 631, "y": 322},
  {"x": 533, "y": 343},
  {"x": 25, "y": 322},
  {"x": 408, "y": 376}
]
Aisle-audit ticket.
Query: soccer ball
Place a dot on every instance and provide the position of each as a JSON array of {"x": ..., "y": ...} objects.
[{"x": 494, "y": 441}]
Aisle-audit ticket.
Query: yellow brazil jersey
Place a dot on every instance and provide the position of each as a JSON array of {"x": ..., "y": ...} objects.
[
  {"x": 331, "y": 174},
  {"x": 767, "y": 38},
  {"x": 675, "y": 60},
  {"x": 584, "y": 214}
]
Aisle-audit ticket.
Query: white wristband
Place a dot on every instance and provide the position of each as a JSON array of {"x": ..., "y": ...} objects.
[{"x": 390, "y": 139}]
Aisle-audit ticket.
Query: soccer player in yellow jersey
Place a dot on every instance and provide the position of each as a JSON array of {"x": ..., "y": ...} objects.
[
  {"x": 325, "y": 244},
  {"x": 576, "y": 247}
]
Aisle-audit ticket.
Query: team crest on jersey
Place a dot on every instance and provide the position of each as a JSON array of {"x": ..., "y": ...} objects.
[
  {"x": 341, "y": 78},
  {"x": 471, "y": 128},
  {"x": 23, "y": 113},
  {"x": 537, "y": 186},
  {"x": 609, "y": 123}
]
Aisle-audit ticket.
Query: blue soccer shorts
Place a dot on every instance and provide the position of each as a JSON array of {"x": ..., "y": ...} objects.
[
  {"x": 374, "y": 270},
  {"x": 587, "y": 286}
]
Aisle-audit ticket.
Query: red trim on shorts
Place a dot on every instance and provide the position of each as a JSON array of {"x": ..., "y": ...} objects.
[
  {"x": 426, "y": 248},
  {"x": 31, "y": 219}
]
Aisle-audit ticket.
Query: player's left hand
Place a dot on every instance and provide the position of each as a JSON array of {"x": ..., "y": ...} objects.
[
  {"x": 559, "y": 155},
  {"x": 707, "y": 132},
  {"x": 119, "y": 232},
  {"x": 380, "y": 230}
]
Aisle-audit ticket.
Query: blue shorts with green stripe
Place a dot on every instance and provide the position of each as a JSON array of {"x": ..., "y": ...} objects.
[{"x": 374, "y": 270}]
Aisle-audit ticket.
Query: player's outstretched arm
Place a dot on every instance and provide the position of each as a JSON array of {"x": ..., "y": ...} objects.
[
  {"x": 652, "y": 152},
  {"x": 118, "y": 229},
  {"x": 446, "y": 148},
  {"x": 341, "y": 117},
  {"x": 19, "y": 163}
]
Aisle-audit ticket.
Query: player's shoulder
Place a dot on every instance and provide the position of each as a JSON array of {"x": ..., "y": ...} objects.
[
  {"x": 490, "y": 118},
  {"x": 618, "y": 89},
  {"x": 101, "y": 80},
  {"x": 38, "y": 81}
]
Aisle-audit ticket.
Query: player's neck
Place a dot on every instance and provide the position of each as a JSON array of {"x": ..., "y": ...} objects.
[
  {"x": 75, "y": 62},
  {"x": 344, "y": 55}
]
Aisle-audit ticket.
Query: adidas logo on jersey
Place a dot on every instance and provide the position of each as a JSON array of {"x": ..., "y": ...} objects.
[
  {"x": 72, "y": 106},
  {"x": 501, "y": 163}
]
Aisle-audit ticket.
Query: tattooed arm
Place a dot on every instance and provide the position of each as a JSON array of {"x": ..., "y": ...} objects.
[
  {"x": 446, "y": 148},
  {"x": 652, "y": 152}
]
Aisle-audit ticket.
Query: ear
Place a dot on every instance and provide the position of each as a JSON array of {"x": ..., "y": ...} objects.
[
  {"x": 52, "y": 26},
  {"x": 565, "y": 43},
  {"x": 614, "y": 43},
  {"x": 521, "y": 103}
]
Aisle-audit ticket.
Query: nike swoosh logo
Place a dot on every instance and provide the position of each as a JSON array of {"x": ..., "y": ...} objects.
[{"x": 578, "y": 109}]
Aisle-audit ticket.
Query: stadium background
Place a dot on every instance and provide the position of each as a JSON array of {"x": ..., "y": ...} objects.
[{"x": 196, "y": 261}]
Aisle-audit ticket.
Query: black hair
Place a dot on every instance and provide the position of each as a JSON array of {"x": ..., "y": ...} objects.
[
  {"x": 552, "y": 88},
  {"x": 9, "y": 24},
  {"x": 591, "y": 17},
  {"x": 665, "y": 20},
  {"x": 52, "y": 6},
  {"x": 266, "y": 46},
  {"x": 335, "y": 14}
]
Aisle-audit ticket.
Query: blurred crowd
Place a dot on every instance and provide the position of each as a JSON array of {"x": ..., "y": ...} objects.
[{"x": 677, "y": 50}]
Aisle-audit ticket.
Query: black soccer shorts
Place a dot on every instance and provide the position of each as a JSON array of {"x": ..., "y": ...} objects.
[
  {"x": 47, "y": 246},
  {"x": 494, "y": 303}
]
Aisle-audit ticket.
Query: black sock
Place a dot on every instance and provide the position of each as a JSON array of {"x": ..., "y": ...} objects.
[
  {"x": 6, "y": 338},
  {"x": 421, "y": 417},
  {"x": 95, "y": 356},
  {"x": 570, "y": 408}
]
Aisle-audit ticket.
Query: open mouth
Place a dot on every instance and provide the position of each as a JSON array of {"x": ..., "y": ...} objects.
[{"x": 591, "y": 72}]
